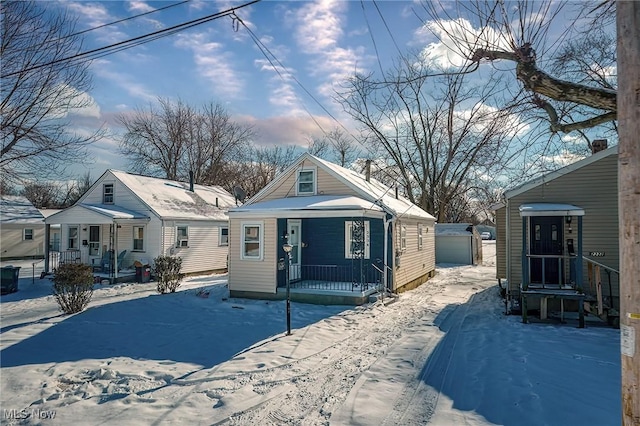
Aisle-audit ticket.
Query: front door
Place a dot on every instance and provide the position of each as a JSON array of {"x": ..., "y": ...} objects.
[
  {"x": 546, "y": 239},
  {"x": 294, "y": 229}
]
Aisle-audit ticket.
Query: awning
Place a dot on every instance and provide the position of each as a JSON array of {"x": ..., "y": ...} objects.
[
  {"x": 550, "y": 209},
  {"x": 95, "y": 214},
  {"x": 310, "y": 206}
]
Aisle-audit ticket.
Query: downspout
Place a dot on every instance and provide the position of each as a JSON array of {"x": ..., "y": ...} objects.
[
  {"x": 508, "y": 253},
  {"x": 47, "y": 236},
  {"x": 387, "y": 222},
  {"x": 115, "y": 251}
]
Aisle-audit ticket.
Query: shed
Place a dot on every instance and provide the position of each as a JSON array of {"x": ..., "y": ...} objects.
[{"x": 458, "y": 243}]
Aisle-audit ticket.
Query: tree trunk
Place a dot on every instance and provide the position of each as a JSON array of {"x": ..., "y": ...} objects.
[{"x": 628, "y": 24}]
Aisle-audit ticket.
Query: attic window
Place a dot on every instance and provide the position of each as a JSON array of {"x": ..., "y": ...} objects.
[
  {"x": 306, "y": 182},
  {"x": 107, "y": 193}
]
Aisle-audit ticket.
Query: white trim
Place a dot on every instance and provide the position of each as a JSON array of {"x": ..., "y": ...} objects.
[
  {"x": 252, "y": 224},
  {"x": 24, "y": 234},
  {"x": 112, "y": 194},
  {"x": 220, "y": 243},
  {"x": 348, "y": 254},
  {"x": 144, "y": 233},
  {"x": 182, "y": 242},
  {"x": 304, "y": 214},
  {"x": 550, "y": 209},
  {"x": 307, "y": 169},
  {"x": 403, "y": 237},
  {"x": 420, "y": 236}
]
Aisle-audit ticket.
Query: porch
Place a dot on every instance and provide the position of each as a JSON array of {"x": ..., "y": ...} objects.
[{"x": 100, "y": 273}]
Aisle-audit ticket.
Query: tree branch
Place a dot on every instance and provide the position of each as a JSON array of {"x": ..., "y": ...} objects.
[{"x": 556, "y": 126}]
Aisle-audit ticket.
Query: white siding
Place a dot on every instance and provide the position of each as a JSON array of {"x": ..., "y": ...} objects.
[
  {"x": 12, "y": 244},
  {"x": 253, "y": 275}
]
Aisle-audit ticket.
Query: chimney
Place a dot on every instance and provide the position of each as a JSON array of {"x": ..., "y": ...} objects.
[
  {"x": 598, "y": 145},
  {"x": 396, "y": 192},
  {"x": 367, "y": 166},
  {"x": 191, "y": 180},
  {"x": 217, "y": 202}
]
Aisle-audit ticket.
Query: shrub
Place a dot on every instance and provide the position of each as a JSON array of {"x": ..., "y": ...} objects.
[
  {"x": 73, "y": 287},
  {"x": 167, "y": 272}
]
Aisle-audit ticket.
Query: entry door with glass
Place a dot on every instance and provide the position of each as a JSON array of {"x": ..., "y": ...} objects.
[
  {"x": 546, "y": 240},
  {"x": 294, "y": 230}
]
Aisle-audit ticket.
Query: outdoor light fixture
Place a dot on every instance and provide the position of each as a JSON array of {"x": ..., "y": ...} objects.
[{"x": 287, "y": 250}]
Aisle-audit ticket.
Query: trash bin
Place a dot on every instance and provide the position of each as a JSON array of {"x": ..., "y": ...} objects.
[
  {"x": 9, "y": 280},
  {"x": 143, "y": 274}
]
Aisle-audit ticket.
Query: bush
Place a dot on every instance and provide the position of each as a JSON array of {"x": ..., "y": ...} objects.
[
  {"x": 167, "y": 272},
  {"x": 73, "y": 287}
]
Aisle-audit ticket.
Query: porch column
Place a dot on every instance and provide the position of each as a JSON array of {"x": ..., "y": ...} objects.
[
  {"x": 47, "y": 236},
  {"x": 115, "y": 251},
  {"x": 525, "y": 260},
  {"x": 579, "y": 258}
]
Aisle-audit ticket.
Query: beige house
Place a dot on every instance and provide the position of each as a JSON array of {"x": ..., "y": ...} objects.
[
  {"x": 139, "y": 218},
  {"x": 21, "y": 229},
  {"x": 350, "y": 237},
  {"x": 557, "y": 239}
]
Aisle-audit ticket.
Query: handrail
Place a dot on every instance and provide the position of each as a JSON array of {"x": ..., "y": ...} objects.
[{"x": 588, "y": 259}]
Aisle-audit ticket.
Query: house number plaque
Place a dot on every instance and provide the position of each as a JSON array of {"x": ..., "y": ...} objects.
[{"x": 596, "y": 253}]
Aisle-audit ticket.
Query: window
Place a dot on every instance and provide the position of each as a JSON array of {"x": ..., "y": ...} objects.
[
  {"x": 182, "y": 233},
  {"x": 224, "y": 237},
  {"x": 138, "y": 238},
  {"x": 72, "y": 243},
  {"x": 357, "y": 238},
  {"x": 251, "y": 241},
  {"x": 306, "y": 182},
  {"x": 107, "y": 193},
  {"x": 537, "y": 232},
  {"x": 554, "y": 232},
  {"x": 94, "y": 241},
  {"x": 27, "y": 234},
  {"x": 419, "y": 236},
  {"x": 403, "y": 238}
]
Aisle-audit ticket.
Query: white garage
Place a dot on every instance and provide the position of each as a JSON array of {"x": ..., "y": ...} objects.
[{"x": 458, "y": 243}]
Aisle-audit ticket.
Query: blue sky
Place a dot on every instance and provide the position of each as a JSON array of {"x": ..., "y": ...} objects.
[{"x": 320, "y": 43}]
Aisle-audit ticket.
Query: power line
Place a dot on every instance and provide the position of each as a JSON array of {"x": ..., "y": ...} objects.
[{"x": 136, "y": 41}]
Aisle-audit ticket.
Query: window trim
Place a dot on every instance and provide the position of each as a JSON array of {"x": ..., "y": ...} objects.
[
  {"x": 24, "y": 234},
  {"x": 314, "y": 180},
  {"x": 180, "y": 240},
  {"x": 94, "y": 244},
  {"x": 220, "y": 235},
  {"x": 252, "y": 224},
  {"x": 76, "y": 238},
  {"x": 111, "y": 194},
  {"x": 348, "y": 254},
  {"x": 420, "y": 236},
  {"x": 403, "y": 237},
  {"x": 134, "y": 238}
]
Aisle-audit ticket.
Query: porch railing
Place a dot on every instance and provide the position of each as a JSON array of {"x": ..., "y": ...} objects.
[
  {"x": 560, "y": 282},
  {"x": 595, "y": 283},
  {"x": 57, "y": 258},
  {"x": 335, "y": 277}
]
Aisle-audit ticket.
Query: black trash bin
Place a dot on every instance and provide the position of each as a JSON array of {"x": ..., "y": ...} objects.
[
  {"x": 143, "y": 274},
  {"x": 9, "y": 280}
]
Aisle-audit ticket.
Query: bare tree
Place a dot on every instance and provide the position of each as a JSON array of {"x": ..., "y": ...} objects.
[
  {"x": 42, "y": 194},
  {"x": 261, "y": 165},
  {"x": 336, "y": 146},
  {"x": 438, "y": 133},
  {"x": 174, "y": 138},
  {"x": 517, "y": 32},
  {"x": 36, "y": 136}
]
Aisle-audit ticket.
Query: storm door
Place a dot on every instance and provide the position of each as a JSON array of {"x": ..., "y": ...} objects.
[
  {"x": 545, "y": 239},
  {"x": 294, "y": 232}
]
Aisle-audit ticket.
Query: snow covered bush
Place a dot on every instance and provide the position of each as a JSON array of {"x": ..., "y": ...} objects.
[
  {"x": 73, "y": 287},
  {"x": 167, "y": 272}
]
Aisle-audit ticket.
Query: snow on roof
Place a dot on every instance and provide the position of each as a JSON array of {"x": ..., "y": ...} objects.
[
  {"x": 550, "y": 209},
  {"x": 171, "y": 199},
  {"x": 49, "y": 212},
  {"x": 114, "y": 212},
  {"x": 316, "y": 202},
  {"x": 375, "y": 190},
  {"x": 19, "y": 210},
  {"x": 443, "y": 229}
]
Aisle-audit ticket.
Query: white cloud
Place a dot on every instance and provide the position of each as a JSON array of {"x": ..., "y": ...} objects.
[
  {"x": 455, "y": 41},
  {"x": 483, "y": 115},
  {"x": 124, "y": 81},
  {"x": 287, "y": 130},
  {"x": 213, "y": 64},
  {"x": 140, "y": 7}
]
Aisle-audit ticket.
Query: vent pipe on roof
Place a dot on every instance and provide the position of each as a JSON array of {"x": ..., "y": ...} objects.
[
  {"x": 191, "y": 180},
  {"x": 216, "y": 201},
  {"x": 367, "y": 167},
  {"x": 598, "y": 145},
  {"x": 396, "y": 192}
]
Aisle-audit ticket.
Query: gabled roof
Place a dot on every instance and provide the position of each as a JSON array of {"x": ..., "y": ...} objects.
[
  {"x": 173, "y": 200},
  {"x": 371, "y": 191},
  {"x": 451, "y": 229},
  {"x": 17, "y": 209},
  {"x": 546, "y": 178}
]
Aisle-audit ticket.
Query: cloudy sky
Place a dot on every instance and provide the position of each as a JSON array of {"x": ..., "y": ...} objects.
[{"x": 312, "y": 47}]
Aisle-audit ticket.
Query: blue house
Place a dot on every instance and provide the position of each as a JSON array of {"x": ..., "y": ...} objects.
[{"x": 350, "y": 237}]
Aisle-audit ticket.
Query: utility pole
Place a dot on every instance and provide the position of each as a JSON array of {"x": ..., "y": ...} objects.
[{"x": 628, "y": 97}]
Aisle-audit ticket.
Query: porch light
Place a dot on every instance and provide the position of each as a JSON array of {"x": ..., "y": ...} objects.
[{"x": 287, "y": 249}]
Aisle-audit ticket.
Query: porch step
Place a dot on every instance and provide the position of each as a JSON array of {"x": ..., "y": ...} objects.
[{"x": 386, "y": 298}]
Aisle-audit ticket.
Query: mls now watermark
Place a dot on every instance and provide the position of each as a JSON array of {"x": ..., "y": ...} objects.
[{"x": 26, "y": 413}]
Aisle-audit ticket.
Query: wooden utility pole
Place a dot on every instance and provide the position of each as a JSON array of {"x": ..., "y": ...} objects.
[{"x": 628, "y": 26}]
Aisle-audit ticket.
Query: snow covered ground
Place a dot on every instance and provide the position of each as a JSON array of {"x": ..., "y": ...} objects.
[{"x": 442, "y": 354}]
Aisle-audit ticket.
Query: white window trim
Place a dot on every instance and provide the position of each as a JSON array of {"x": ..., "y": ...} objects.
[
  {"x": 312, "y": 169},
  {"x": 260, "y": 226},
  {"x": 178, "y": 240},
  {"x": 348, "y": 254},
  {"x": 420, "y": 236},
  {"x": 403, "y": 237},
  {"x": 24, "y": 234},
  {"x": 113, "y": 193},
  {"x": 144, "y": 234},
  {"x": 76, "y": 238},
  {"x": 220, "y": 243}
]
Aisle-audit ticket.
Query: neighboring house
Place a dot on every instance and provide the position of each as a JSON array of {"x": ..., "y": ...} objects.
[
  {"x": 350, "y": 237},
  {"x": 557, "y": 233},
  {"x": 147, "y": 217},
  {"x": 458, "y": 243},
  {"x": 54, "y": 232},
  {"x": 21, "y": 229}
]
